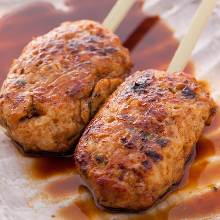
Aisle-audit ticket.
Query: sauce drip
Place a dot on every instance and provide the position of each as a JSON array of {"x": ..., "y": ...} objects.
[
  {"x": 63, "y": 187},
  {"x": 44, "y": 168},
  {"x": 152, "y": 45},
  {"x": 84, "y": 208}
]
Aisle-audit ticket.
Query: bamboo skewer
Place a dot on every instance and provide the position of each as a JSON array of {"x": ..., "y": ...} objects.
[
  {"x": 117, "y": 14},
  {"x": 184, "y": 51},
  {"x": 188, "y": 43}
]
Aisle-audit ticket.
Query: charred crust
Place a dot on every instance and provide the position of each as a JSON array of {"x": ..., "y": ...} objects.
[
  {"x": 138, "y": 87},
  {"x": 160, "y": 92},
  {"x": 126, "y": 117},
  {"x": 110, "y": 50},
  {"x": 20, "y": 82},
  {"x": 73, "y": 46},
  {"x": 128, "y": 144},
  {"x": 82, "y": 159},
  {"x": 144, "y": 137},
  {"x": 154, "y": 155},
  {"x": 102, "y": 52},
  {"x": 188, "y": 93},
  {"x": 122, "y": 169},
  {"x": 101, "y": 159},
  {"x": 213, "y": 111},
  {"x": 141, "y": 84},
  {"x": 91, "y": 48},
  {"x": 22, "y": 71},
  {"x": 96, "y": 95},
  {"x": 39, "y": 62},
  {"x": 121, "y": 176},
  {"x": 137, "y": 172},
  {"x": 121, "y": 166},
  {"x": 32, "y": 113},
  {"x": 92, "y": 39},
  {"x": 124, "y": 140},
  {"x": 74, "y": 91},
  {"x": 146, "y": 164},
  {"x": 19, "y": 98},
  {"x": 162, "y": 142}
]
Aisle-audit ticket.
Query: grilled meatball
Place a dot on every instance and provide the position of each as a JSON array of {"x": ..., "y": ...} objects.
[
  {"x": 59, "y": 82},
  {"x": 136, "y": 146}
]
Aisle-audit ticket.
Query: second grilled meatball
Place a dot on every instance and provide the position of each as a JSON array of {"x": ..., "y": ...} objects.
[
  {"x": 136, "y": 147},
  {"x": 59, "y": 82}
]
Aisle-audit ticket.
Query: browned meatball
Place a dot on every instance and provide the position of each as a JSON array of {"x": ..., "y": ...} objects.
[
  {"x": 59, "y": 82},
  {"x": 136, "y": 146}
]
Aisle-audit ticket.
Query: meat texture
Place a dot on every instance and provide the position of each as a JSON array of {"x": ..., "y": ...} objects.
[
  {"x": 136, "y": 146},
  {"x": 59, "y": 82}
]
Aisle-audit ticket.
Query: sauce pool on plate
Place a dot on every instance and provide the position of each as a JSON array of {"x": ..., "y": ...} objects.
[{"x": 149, "y": 40}]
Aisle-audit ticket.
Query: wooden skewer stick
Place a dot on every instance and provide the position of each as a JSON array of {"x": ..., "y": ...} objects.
[
  {"x": 188, "y": 43},
  {"x": 117, "y": 14}
]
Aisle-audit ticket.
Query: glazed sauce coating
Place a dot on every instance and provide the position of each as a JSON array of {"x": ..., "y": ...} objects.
[
  {"x": 152, "y": 45},
  {"x": 44, "y": 168}
]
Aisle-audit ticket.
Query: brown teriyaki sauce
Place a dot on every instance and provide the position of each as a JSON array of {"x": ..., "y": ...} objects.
[{"x": 152, "y": 45}]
